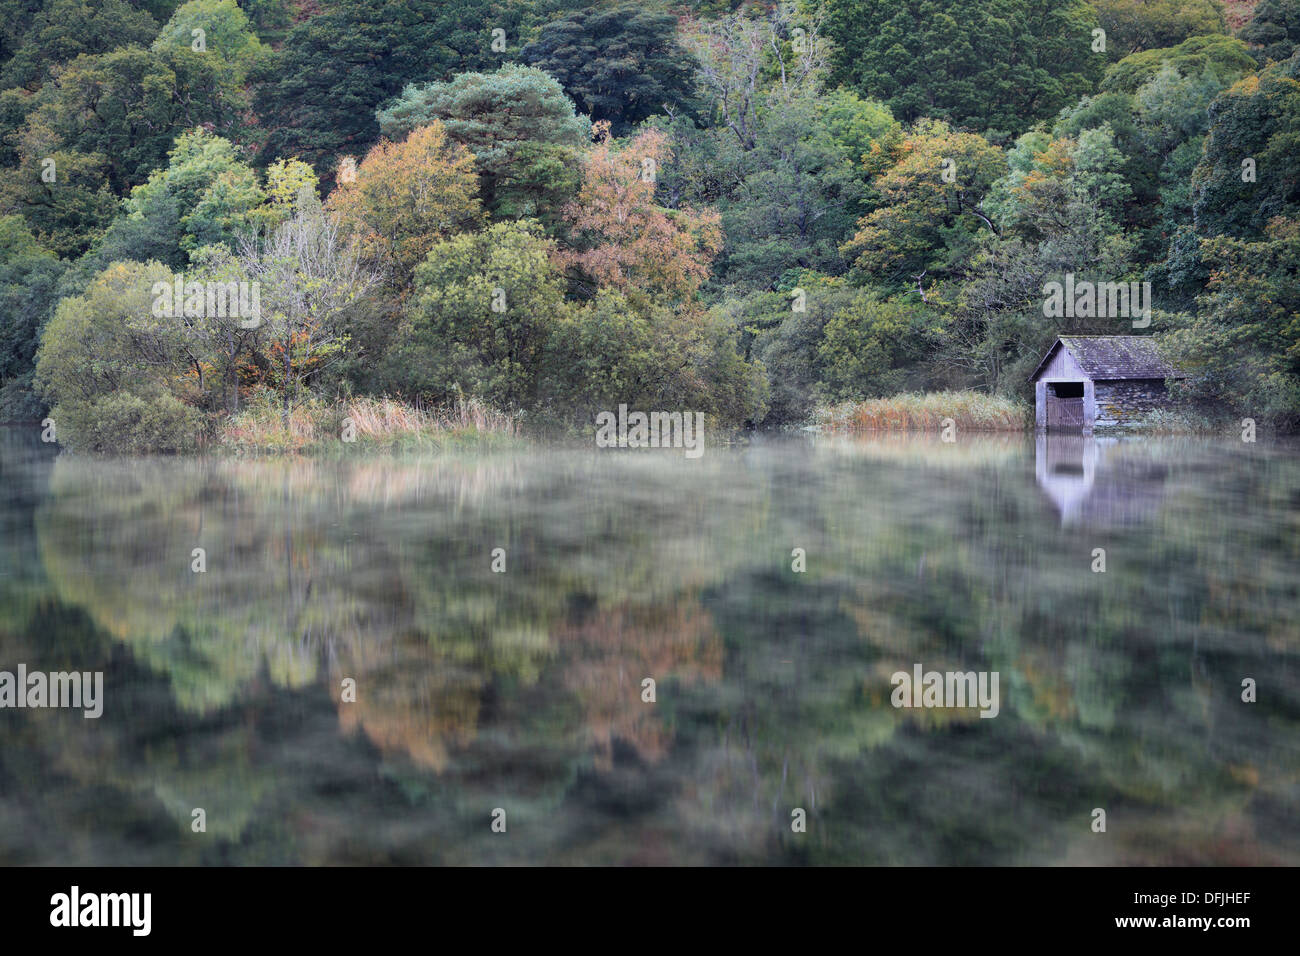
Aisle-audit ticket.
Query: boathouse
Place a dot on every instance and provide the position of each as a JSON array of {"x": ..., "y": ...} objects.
[{"x": 1099, "y": 381}]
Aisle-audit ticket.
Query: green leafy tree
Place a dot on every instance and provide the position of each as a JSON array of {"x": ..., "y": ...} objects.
[
  {"x": 626, "y": 348},
  {"x": 58, "y": 31},
  {"x": 68, "y": 213},
  {"x": 986, "y": 64},
  {"x": 1274, "y": 29},
  {"x": 336, "y": 68},
  {"x": 486, "y": 303},
  {"x": 117, "y": 377},
  {"x": 1247, "y": 174},
  {"x": 868, "y": 348},
  {"x": 519, "y": 125},
  {"x": 1227, "y": 57},
  {"x": 621, "y": 64},
  {"x": 1133, "y": 25},
  {"x": 1241, "y": 348},
  {"x": 127, "y": 107},
  {"x": 227, "y": 34},
  {"x": 28, "y": 274}
]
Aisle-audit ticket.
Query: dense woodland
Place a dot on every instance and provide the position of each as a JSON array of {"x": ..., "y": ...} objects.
[{"x": 549, "y": 208}]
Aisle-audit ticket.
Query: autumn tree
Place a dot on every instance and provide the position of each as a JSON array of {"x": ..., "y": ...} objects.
[
  {"x": 408, "y": 196},
  {"x": 620, "y": 238}
]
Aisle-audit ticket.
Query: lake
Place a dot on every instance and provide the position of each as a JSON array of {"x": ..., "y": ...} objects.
[{"x": 334, "y": 663}]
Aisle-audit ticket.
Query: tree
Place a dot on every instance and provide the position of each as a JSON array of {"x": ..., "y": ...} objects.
[
  {"x": 309, "y": 276},
  {"x": 28, "y": 274},
  {"x": 924, "y": 226},
  {"x": 987, "y": 64},
  {"x": 620, "y": 238},
  {"x": 486, "y": 304},
  {"x": 67, "y": 214},
  {"x": 782, "y": 161},
  {"x": 797, "y": 200},
  {"x": 621, "y": 64},
  {"x": 116, "y": 376},
  {"x": 213, "y": 194},
  {"x": 336, "y": 68},
  {"x": 747, "y": 62},
  {"x": 1133, "y": 25},
  {"x": 407, "y": 196},
  {"x": 1274, "y": 29},
  {"x": 517, "y": 122},
  {"x": 866, "y": 348},
  {"x": 59, "y": 31},
  {"x": 226, "y": 34},
  {"x": 1247, "y": 174},
  {"x": 1226, "y": 57},
  {"x": 621, "y": 348},
  {"x": 1241, "y": 349},
  {"x": 127, "y": 107}
]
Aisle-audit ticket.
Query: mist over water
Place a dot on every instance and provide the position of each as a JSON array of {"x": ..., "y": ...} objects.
[{"x": 522, "y": 689}]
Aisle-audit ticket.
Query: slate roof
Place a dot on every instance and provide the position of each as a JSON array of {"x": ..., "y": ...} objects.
[{"x": 1113, "y": 357}]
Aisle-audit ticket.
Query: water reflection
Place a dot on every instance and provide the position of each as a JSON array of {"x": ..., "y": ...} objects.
[
  {"x": 524, "y": 689},
  {"x": 1100, "y": 482}
]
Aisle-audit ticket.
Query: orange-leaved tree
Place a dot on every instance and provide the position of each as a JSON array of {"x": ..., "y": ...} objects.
[
  {"x": 619, "y": 238},
  {"x": 408, "y": 196}
]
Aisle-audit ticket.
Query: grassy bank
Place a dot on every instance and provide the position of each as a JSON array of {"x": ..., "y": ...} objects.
[
  {"x": 972, "y": 411},
  {"x": 364, "y": 424}
]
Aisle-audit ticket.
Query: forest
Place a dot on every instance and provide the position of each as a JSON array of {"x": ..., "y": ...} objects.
[{"x": 517, "y": 214}]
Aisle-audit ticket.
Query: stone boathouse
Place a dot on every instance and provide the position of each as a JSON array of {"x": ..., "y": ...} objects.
[{"x": 1099, "y": 381}]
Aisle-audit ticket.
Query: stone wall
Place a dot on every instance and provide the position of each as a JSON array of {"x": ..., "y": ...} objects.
[{"x": 1124, "y": 404}]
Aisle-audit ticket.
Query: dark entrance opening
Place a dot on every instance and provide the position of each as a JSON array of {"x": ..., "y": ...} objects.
[{"x": 1065, "y": 406}]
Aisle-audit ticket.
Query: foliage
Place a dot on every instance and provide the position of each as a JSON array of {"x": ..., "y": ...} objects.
[
  {"x": 924, "y": 226},
  {"x": 1134, "y": 25},
  {"x": 621, "y": 64},
  {"x": 985, "y": 64},
  {"x": 622, "y": 239},
  {"x": 485, "y": 306},
  {"x": 1274, "y": 29},
  {"x": 1228, "y": 57},
  {"x": 28, "y": 274},
  {"x": 336, "y": 68},
  {"x": 1254, "y": 122},
  {"x": 407, "y": 196},
  {"x": 517, "y": 122},
  {"x": 116, "y": 376}
]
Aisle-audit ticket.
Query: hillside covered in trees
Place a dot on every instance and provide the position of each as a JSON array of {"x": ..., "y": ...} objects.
[{"x": 548, "y": 208}]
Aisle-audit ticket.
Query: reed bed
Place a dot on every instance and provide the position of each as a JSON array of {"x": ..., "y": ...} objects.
[
  {"x": 319, "y": 426},
  {"x": 971, "y": 411}
]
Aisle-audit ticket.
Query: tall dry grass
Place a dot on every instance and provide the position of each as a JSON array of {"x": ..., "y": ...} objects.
[
  {"x": 317, "y": 425},
  {"x": 972, "y": 411}
]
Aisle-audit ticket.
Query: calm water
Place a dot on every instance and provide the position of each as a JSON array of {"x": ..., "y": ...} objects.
[{"x": 522, "y": 690}]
